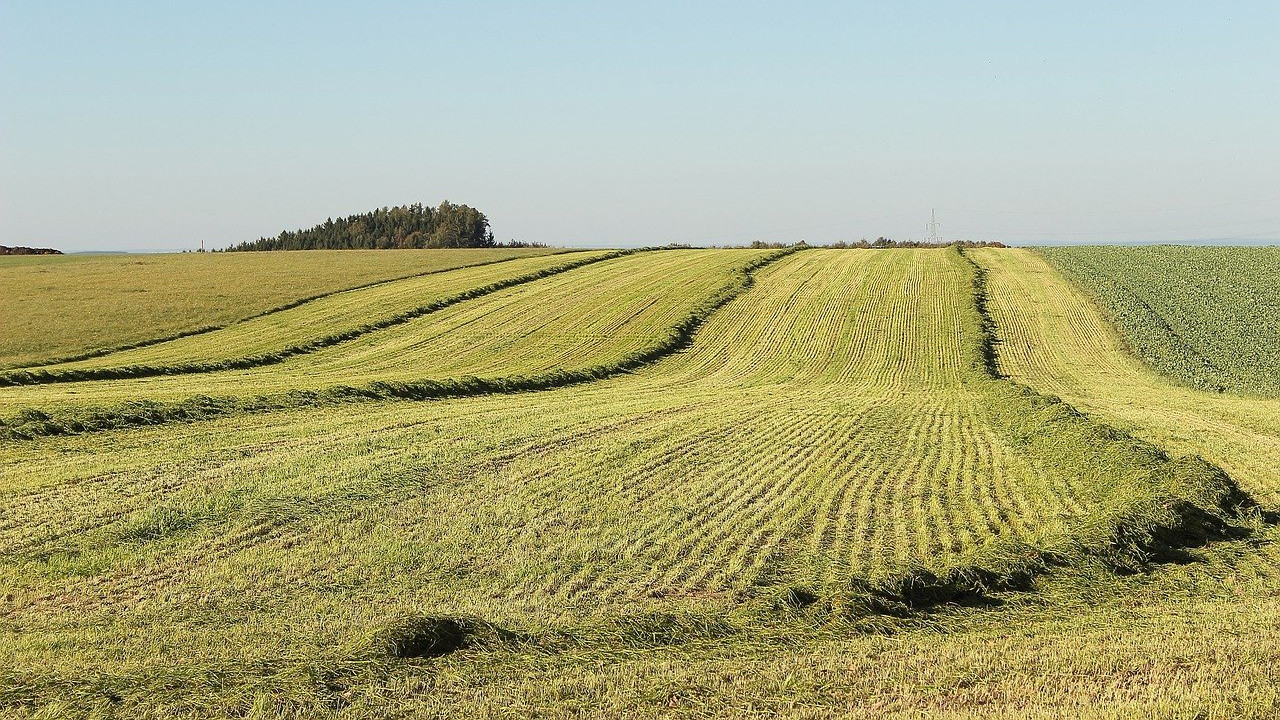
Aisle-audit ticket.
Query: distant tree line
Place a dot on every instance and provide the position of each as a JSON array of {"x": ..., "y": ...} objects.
[
  {"x": 19, "y": 250},
  {"x": 407, "y": 226}
]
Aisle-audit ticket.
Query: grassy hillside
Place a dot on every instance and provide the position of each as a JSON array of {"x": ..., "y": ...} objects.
[
  {"x": 59, "y": 305},
  {"x": 1209, "y": 317},
  {"x": 812, "y": 492}
]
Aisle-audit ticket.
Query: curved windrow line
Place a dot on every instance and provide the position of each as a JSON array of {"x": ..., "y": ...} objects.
[
  {"x": 204, "y": 329},
  {"x": 1147, "y": 505},
  {"x": 31, "y": 422},
  {"x": 47, "y": 377}
]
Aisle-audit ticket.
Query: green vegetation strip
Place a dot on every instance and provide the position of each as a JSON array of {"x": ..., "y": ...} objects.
[
  {"x": 42, "y": 377},
  {"x": 1148, "y": 507},
  {"x": 31, "y": 422}
]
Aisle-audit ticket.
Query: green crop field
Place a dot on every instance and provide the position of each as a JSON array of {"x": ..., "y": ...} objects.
[
  {"x": 1209, "y": 317},
  {"x": 662, "y": 483}
]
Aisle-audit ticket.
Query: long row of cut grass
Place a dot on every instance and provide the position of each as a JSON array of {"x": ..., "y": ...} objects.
[
  {"x": 1056, "y": 340},
  {"x": 935, "y": 479},
  {"x": 530, "y": 336},
  {"x": 903, "y": 474},
  {"x": 64, "y": 305}
]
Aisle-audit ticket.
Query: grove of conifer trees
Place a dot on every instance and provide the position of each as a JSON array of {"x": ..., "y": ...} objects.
[{"x": 406, "y": 226}]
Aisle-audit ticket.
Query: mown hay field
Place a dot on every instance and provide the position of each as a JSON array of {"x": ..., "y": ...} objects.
[
  {"x": 56, "y": 306},
  {"x": 662, "y": 483}
]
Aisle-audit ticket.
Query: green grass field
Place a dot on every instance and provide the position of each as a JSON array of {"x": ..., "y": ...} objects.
[{"x": 687, "y": 483}]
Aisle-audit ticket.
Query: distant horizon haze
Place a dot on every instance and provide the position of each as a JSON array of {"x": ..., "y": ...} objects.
[{"x": 149, "y": 126}]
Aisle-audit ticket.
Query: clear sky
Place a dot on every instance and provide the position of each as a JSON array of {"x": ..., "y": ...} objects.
[{"x": 153, "y": 125}]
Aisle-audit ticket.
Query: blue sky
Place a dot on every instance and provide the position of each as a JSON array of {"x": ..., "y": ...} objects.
[{"x": 153, "y": 125}]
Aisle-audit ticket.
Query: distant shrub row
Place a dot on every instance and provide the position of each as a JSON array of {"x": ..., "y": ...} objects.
[{"x": 884, "y": 242}]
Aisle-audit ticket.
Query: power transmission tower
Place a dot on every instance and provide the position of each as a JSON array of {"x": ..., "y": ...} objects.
[{"x": 932, "y": 227}]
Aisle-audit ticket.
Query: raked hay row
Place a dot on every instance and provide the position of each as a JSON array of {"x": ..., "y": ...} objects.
[{"x": 794, "y": 482}]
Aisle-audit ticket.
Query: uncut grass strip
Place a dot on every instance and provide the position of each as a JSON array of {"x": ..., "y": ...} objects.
[
  {"x": 102, "y": 352},
  {"x": 31, "y": 423},
  {"x": 40, "y": 377}
]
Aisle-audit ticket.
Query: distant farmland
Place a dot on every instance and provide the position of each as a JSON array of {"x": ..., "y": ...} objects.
[{"x": 695, "y": 483}]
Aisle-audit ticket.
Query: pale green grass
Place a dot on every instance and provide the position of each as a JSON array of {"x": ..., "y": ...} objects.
[
  {"x": 578, "y": 319},
  {"x": 59, "y": 305},
  {"x": 1056, "y": 340},
  {"x": 343, "y": 312}
]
